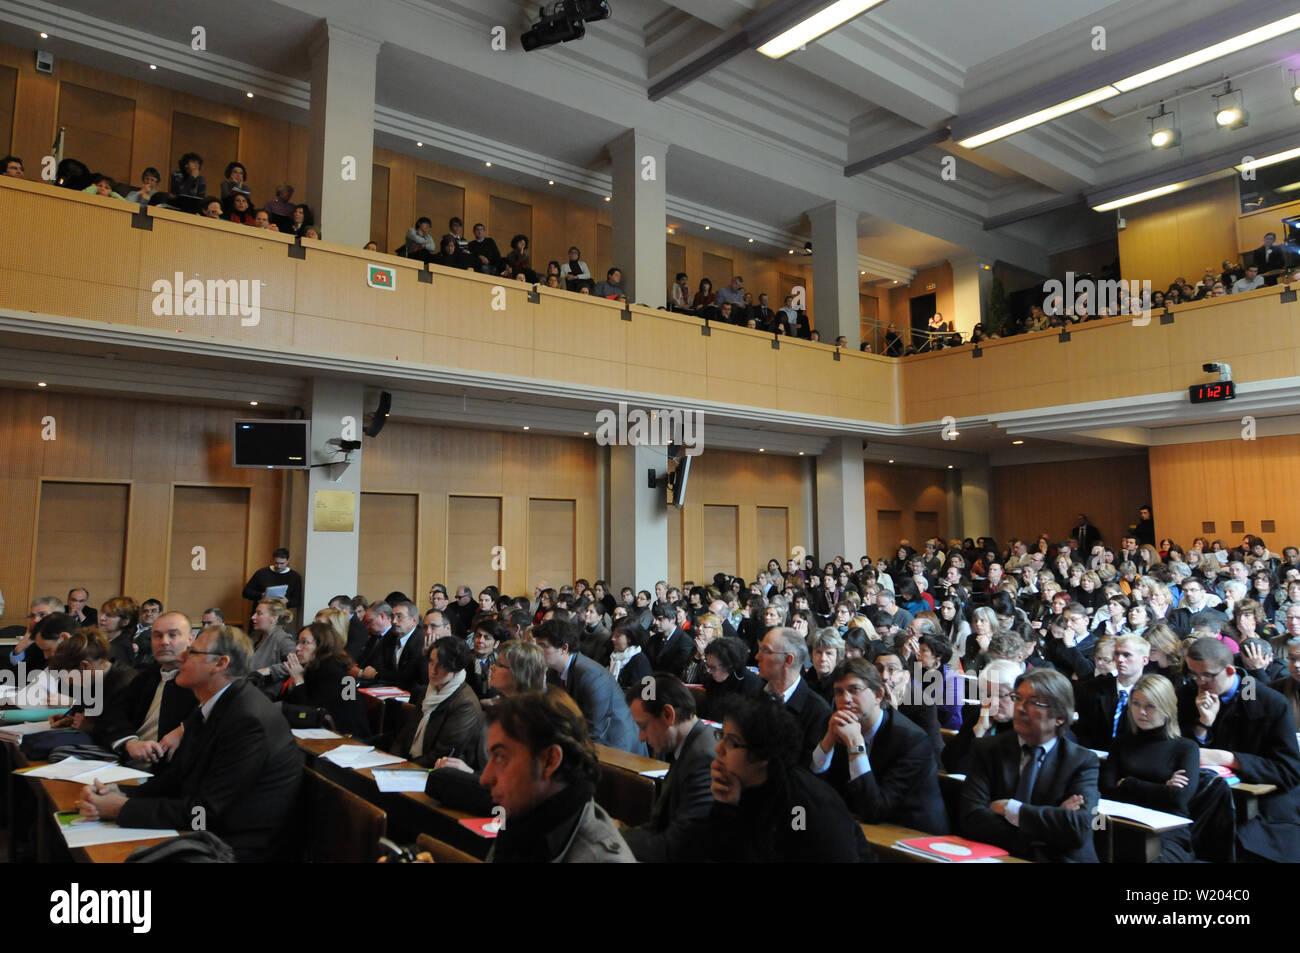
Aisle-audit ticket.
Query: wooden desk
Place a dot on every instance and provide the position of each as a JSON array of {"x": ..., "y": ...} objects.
[
  {"x": 617, "y": 758},
  {"x": 1245, "y": 797},
  {"x": 883, "y": 838},
  {"x": 623, "y": 790}
]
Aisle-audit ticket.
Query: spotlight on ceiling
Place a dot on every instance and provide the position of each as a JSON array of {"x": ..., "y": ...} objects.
[
  {"x": 1232, "y": 114},
  {"x": 565, "y": 21},
  {"x": 807, "y": 248},
  {"x": 1164, "y": 134}
]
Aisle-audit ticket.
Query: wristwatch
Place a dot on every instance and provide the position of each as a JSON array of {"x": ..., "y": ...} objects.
[{"x": 858, "y": 749}]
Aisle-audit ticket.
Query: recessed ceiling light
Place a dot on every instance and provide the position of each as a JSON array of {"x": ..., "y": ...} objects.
[
  {"x": 751, "y": 241},
  {"x": 891, "y": 461},
  {"x": 586, "y": 433},
  {"x": 801, "y": 453},
  {"x": 528, "y": 428},
  {"x": 861, "y": 272},
  {"x": 608, "y": 199},
  {"x": 41, "y": 384},
  {"x": 550, "y": 181},
  {"x": 488, "y": 164},
  {"x": 153, "y": 65},
  {"x": 707, "y": 227},
  {"x": 419, "y": 145},
  {"x": 761, "y": 450},
  {"x": 791, "y": 251},
  {"x": 249, "y": 95},
  {"x": 252, "y": 403},
  {"x": 44, "y": 35},
  {"x": 1016, "y": 443}
]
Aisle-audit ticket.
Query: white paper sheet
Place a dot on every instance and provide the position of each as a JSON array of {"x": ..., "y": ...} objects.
[
  {"x": 67, "y": 769},
  {"x": 655, "y": 773},
  {"x": 393, "y": 779},
  {"x": 315, "y": 734},
  {"x": 1157, "y": 820},
  {"x": 276, "y": 592},
  {"x": 360, "y": 756},
  {"x": 90, "y": 833}
]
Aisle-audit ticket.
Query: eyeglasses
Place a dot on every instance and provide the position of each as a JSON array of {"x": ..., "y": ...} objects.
[
  {"x": 1031, "y": 700},
  {"x": 186, "y": 652},
  {"x": 728, "y": 742},
  {"x": 1205, "y": 676}
]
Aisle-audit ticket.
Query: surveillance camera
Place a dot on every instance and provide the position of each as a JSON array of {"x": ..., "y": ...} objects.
[{"x": 1223, "y": 370}]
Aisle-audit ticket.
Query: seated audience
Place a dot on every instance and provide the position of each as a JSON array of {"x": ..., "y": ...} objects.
[
  {"x": 628, "y": 663},
  {"x": 992, "y": 716},
  {"x": 237, "y": 767},
  {"x": 103, "y": 186},
  {"x": 420, "y": 242},
  {"x": 239, "y": 211},
  {"x": 574, "y": 273},
  {"x": 272, "y": 642},
  {"x": 725, "y": 660},
  {"x": 149, "y": 181},
  {"x": 280, "y": 208},
  {"x": 517, "y": 262},
  {"x": 400, "y": 657},
  {"x": 542, "y": 770},
  {"x": 11, "y": 166},
  {"x": 487, "y": 257},
  {"x": 1289, "y": 687},
  {"x": 450, "y": 255},
  {"x": 318, "y": 678},
  {"x": 612, "y": 286},
  {"x": 450, "y": 722},
  {"x": 234, "y": 182},
  {"x": 592, "y": 687},
  {"x": 187, "y": 180},
  {"x": 782, "y": 655},
  {"x": 1101, "y": 701}
]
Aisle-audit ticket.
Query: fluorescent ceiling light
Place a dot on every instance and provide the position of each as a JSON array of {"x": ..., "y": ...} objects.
[
  {"x": 804, "y": 32},
  {"x": 1040, "y": 117},
  {"x": 1140, "y": 197},
  {"x": 1268, "y": 160},
  {"x": 1191, "y": 60},
  {"x": 1129, "y": 83},
  {"x": 1290, "y": 187}
]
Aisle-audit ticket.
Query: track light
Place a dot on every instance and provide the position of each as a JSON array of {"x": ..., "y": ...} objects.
[
  {"x": 1232, "y": 114},
  {"x": 1164, "y": 133}
]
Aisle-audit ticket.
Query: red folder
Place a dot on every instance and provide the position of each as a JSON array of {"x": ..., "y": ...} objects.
[{"x": 951, "y": 849}]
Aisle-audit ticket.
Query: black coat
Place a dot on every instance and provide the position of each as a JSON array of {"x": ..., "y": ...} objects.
[
  {"x": 901, "y": 787},
  {"x": 124, "y": 714},
  {"x": 671, "y": 654},
  {"x": 1047, "y": 832},
  {"x": 956, "y": 753},
  {"x": 410, "y": 670},
  {"x": 323, "y": 687},
  {"x": 812, "y": 713},
  {"x": 1095, "y": 700},
  {"x": 683, "y": 803},
  {"x": 236, "y": 774},
  {"x": 744, "y": 684},
  {"x": 1139, "y": 765},
  {"x": 634, "y": 670}
]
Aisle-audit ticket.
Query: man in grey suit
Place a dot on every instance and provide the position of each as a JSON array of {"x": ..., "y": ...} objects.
[
  {"x": 667, "y": 722},
  {"x": 590, "y": 685}
]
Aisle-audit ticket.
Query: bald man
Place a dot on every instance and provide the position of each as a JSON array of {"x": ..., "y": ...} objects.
[{"x": 144, "y": 720}]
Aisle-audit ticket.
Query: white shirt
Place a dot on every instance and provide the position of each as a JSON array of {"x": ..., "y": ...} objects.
[
  {"x": 860, "y": 763},
  {"x": 1013, "y": 806},
  {"x": 785, "y": 696}
]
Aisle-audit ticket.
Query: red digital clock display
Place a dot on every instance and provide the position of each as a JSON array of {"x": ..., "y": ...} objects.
[{"x": 1206, "y": 393}]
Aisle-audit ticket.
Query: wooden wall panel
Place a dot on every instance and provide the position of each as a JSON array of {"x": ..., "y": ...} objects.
[
  {"x": 99, "y": 128},
  {"x": 386, "y": 550},
  {"x": 507, "y": 218},
  {"x": 552, "y": 543},
  {"x": 379, "y": 206},
  {"x": 1227, "y": 480},
  {"x": 717, "y": 269},
  {"x": 81, "y": 539},
  {"x": 721, "y": 540},
  {"x": 604, "y": 252},
  {"x": 772, "y": 536},
  {"x": 675, "y": 262},
  {"x": 473, "y": 531},
  {"x": 217, "y": 142},
  {"x": 1047, "y": 497},
  {"x": 215, "y": 518},
  {"x": 901, "y": 492},
  {"x": 440, "y": 201},
  {"x": 1180, "y": 234},
  {"x": 8, "y": 95}
]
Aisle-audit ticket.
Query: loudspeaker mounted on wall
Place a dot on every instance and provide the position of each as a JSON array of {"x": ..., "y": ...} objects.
[
  {"x": 380, "y": 416},
  {"x": 44, "y": 62}
]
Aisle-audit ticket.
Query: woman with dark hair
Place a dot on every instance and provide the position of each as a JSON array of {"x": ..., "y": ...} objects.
[
  {"x": 933, "y": 653},
  {"x": 450, "y": 255},
  {"x": 704, "y": 296},
  {"x": 235, "y": 182},
  {"x": 725, "y": 660},
  {"x": 239, "y": 210},
  {"x": 187, "y": 180},
  {"x": 553, "y": 271},
  {"x": 301, "y": 220},
  {"x": 451, "y": 721},
  {"x": 517, "y": 259},
  {"x": 489, "y": 633},
  {"x": 318, "y": 668},
  {"x": 759, "y": 785},
  {"x": 118, "y": 618},
  {"x": 628, "y": 664}
]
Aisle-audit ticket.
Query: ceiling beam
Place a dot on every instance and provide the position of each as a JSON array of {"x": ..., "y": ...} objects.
[{"x": 897, "y": 152}]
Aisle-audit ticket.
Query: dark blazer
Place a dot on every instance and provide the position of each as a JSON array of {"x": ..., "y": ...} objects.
[
  {"x": 633, "y": 670},
  {"x": 1260, "y": 731},
  {"x": 926, "y": 717},
  {"x": 601, "y": 700},
  {"x": 92, "y": 616},
  {"x": 1047, "y": 832},
  {"x": 746, "y": 684},
  {"x": 241, "y": 767},
  {"x": 1139, "y": 765},
  {"x": 597, "y": 644},
  {"x": 123, "y": 650},
  {"x": 672, "y": 654},
  {"x": 412, "y": 667},
  {"x": 323, "y": 687},
  {"x": 124, "y": 714},
  {"x": 684, "y": 802},
  {"x": 369, "y": 655},
  {"x": 902, "y": 786},
  {"x": 956, "y": 753},
  {"x": 1095, "y": 700},
  {"x": 812, "y": 713},
  {"x": 457, "y": 725},
  {"x": 1268, "y": 259},
  {"x": 358, "y": 638}
]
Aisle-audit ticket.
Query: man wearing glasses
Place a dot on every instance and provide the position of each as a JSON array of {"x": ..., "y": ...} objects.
[
  {"x": 38, "y": 610},
  {"x": 237, "y": 770},
  {"x": 1248, "y": 728},
  {"x": 1032, "y": 791}
]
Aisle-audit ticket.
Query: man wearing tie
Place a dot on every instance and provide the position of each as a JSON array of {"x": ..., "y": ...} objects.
[
  {"x": 1033, "y": 791},
  {"x": 1268, "y": 257},
  {"x": 668, "y": 724},
  {"x": 401, "y": 657},
  {"x": 1101, "y": 701}
]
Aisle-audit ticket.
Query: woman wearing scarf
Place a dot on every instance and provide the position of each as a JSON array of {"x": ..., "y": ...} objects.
[
  {"x": 451, "y": 720},
  {"x": 628, "y": 664}
]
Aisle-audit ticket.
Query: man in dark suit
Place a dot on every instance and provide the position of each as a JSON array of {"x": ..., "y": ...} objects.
[
  {"x": 379, "y": 621},
  {"x": 1247, "y": 727},
  {"x": 669, "y": 648},
  {"x": 1194, "y": 610},
  {"x": 782, "y": 655},
  {"x": 668, "y": 724},
  {"x": 1086, "y": 535},
  {"x": 77, "y": 607},
  {"x": 592, "y": 687},
  {"x": 1101, "y": 701},
  {"x": 1268, "y": 257},
  {"x": 1033, "y": 791},
  {"x": 237, "y": 771},
  {"x": 880, "y": 762},
  {"x": 141, "y": 720},
  {"x": 401, "y": 659},
  {"x": 357, "y": 634},
  {"x": 904, "y": 700}
]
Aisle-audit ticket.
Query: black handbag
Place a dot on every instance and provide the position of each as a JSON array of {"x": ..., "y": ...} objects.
[
  {"x": 307, "y": 716},
  {"x": 39, "y": 745}
]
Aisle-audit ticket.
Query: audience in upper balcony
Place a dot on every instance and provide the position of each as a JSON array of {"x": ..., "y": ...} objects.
[
  {"x": 301, "y": 220},
  {"x": 704, "y": 297},
  {"x": 149, "y": 181},
  {"x": 487, "y": 256},
  {"x": 281, "y": 207},
  {"x": 262, "y": 219},
  {"x": 679, "y": 295},
  {"x": 733, "y": 293},
  {"x": 1251, "y": 281},
  {"x": 612, "y": 286},
  {"x": 239, "y": 211},
  {"x": 450, "y": 255},
  {"x": 1269, "y": 258},
  {"x": 12, "y": 166},
  {"x": 456, "y": 229},
  {"x": 188, "y": 180},
  {"x": 420, "y": 242},
  {"x": 234, "y": 182},
  {"x": 517, "y": 260},
  {"x": 102, "y": 185}
]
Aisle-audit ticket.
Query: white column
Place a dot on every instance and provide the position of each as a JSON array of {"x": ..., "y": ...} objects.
[
  {"x": 841, "y": 501},
  {"x": 640, "y": 217},
  {"x": 976, "y": 512},
  {"x": 340, "y": 156},
  {"x": 835, "y": 274},
  {"x": 638, "y": 517},
  {"x": 971, "y": 283},
  {"x": 330, "y": 566}
]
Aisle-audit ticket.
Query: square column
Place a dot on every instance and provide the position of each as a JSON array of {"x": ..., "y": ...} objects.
[
  {"x": 341, "y": 146},
  {"x": 640, "y": 216},
  {"x": 841, "y": 501},
  {"x": 638, "y": 517},
  {"x": 971, "y": 284},
  {"x": 330, "y": 563},
  {"x": 835, "y": 275}
]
